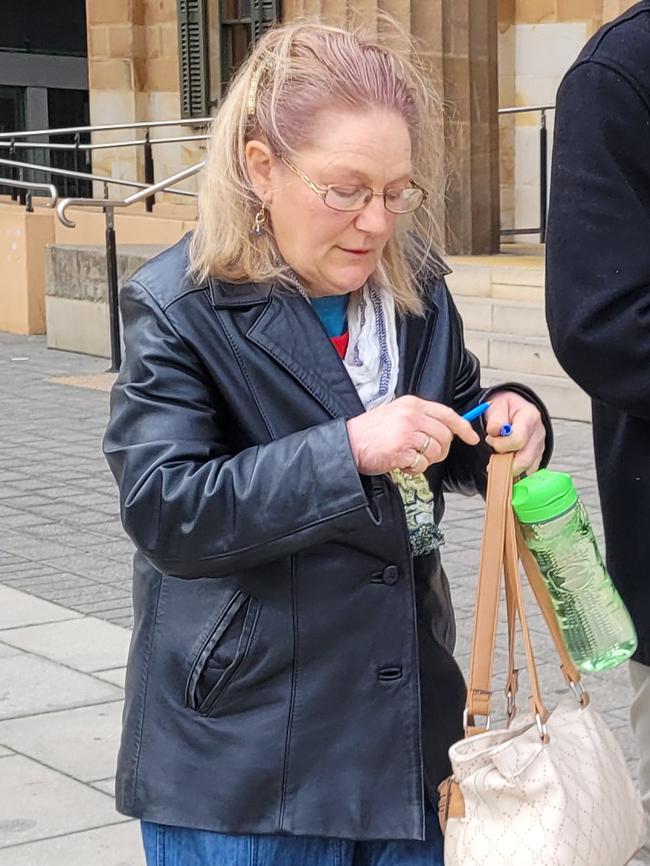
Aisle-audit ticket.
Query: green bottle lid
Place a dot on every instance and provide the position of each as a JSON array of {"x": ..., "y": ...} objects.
[{"x": 543, "y": 496}]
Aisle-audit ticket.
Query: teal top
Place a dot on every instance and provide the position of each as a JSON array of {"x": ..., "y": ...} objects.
[{"x": 332, "y": 311}]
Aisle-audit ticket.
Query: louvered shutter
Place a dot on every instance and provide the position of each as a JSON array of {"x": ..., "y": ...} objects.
[{"x": 193, "y": 58}]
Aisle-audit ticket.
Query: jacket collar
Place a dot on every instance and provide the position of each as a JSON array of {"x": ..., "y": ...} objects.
[{"x": 289, "y": 331}]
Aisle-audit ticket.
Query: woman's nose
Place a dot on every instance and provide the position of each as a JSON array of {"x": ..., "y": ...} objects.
[{"x": 374, "y": 218}]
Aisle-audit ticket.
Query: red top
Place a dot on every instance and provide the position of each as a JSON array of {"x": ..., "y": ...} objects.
[{"x": 341, "y": 344}]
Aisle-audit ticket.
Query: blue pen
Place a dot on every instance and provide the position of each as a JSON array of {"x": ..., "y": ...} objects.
[
  {"x": 506, "y": 430},
  {"x": 476, "y": 412}
]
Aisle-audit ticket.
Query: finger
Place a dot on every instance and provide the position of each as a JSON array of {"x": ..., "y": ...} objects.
[
  {"x": 458, "y": 426},
  {"x": 496, "y": 416},
  {"x": 436, "y": 436}
]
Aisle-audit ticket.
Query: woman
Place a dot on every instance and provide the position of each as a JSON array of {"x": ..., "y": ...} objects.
[{"x": 285, "y": 421}]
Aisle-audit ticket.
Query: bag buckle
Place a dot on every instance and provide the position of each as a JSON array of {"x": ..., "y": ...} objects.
[
  {"x": 581, "y": 693},
  {"x": 470, "y": 721}
]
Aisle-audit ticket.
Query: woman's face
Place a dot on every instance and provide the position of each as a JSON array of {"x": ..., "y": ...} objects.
[{"x": 334, "y": 252}]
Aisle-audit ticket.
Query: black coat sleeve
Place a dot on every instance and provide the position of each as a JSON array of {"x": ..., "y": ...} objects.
[
  {"x": 598, "y": 242},
  {"x": 193, "y": 507},
  {"x": 465, "y": 470}
]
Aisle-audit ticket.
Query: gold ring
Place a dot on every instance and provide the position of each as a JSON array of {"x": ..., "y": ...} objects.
[
  {"x": 427, "y": 442},
  {"x": 416, "y": 461}
]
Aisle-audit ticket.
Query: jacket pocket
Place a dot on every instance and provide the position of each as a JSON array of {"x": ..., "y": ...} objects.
[{"x": 222, "y": 653}]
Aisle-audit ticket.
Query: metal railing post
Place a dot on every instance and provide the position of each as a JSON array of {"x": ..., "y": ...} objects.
[
  {"x": 543, "y": 177},
  {"x": 148, "y": 170},
  {"x": 29, "y": 206},
  {"x": 22, "y": 195},
  {"x": 12, "y": 155},
  {"x": 112, "y": 283},
  {"x": 75, "y": 162}
]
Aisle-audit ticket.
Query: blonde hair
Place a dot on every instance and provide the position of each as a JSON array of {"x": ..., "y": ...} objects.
[{"x": 295, "y": 71}]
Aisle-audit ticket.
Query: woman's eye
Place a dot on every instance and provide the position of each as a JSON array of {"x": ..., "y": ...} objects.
[{"x": 346, "y": 191}]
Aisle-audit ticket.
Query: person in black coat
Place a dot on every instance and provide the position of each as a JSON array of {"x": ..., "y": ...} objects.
[
  {"x": 285, "y": 421},
  {"x": 598, "y": 301}
]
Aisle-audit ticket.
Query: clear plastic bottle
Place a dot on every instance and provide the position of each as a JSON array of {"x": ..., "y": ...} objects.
[{"x": 596, "y": 625}]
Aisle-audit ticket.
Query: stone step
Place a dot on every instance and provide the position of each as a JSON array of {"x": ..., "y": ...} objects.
[
  {"x": 526, "y": 318},
  {"x": 563, "y": 398},
  {"x": 76, "y": 294},
  {"x": 517, "y": 353},
  {"x": 516, "y": 278}
]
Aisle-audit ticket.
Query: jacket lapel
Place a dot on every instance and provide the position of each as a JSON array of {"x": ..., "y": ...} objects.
[{"x": 289, "y": 331}]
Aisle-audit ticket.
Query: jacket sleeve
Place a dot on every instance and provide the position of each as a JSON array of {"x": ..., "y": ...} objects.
[
  {"x": 465, "y": 470},
  {"x": 191, "y": 505},
  {"x": 598, "y": 242}
]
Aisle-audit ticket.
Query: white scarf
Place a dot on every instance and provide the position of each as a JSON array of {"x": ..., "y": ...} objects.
[{"x": 372, "y": 359}]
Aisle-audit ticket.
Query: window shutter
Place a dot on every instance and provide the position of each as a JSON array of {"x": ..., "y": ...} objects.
[
  {"x": 243, "y": 22},
  {"x": 193, "y": 58}
]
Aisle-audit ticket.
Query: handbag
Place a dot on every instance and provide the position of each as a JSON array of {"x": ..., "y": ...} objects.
[{"x": 550, "y": 790}]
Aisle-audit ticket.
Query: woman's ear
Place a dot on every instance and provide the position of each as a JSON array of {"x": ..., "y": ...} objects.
[{"x": 259, "y": 160}]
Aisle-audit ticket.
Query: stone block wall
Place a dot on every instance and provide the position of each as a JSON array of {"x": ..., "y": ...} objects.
[
  {"x": 538, "y": 42},
  {"x": 133, "y": 76}
]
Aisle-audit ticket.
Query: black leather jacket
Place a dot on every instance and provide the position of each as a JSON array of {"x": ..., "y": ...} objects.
[{"x": 282, "y": 628}]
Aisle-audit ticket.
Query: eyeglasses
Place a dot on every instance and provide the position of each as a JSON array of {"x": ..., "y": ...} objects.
[{"x": 354, "y": 198}]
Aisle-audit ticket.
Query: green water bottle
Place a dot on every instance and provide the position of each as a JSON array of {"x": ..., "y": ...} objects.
[{"x": 595, "y": 623}]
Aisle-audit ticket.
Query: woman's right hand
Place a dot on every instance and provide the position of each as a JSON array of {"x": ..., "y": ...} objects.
[{"x": 409, "y": 434}]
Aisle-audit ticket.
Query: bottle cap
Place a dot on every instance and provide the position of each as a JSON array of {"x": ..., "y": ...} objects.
[{"x": 543, "y": 496}]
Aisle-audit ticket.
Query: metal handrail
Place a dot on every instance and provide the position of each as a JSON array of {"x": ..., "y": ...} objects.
[
  {"x": 25, "y": 184},
  {"x": 66, "y": 172},
  {"x": 162, "y": 185},
  {"x": 106, "y": 127},
  {"x": 523, "y": 109},
  {"x": 543, "y": 169},
  {"x": 137, "y": 142},
  {"x": 108, "y": 206}
]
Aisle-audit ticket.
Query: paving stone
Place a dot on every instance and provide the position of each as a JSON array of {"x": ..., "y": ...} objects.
[
  {"x": 85, "y": 643},
  {"x": 19, "y": 609},
  {"x": 81, "y": 742},
  {"x": 30, "y": 685},
  {"x": 105, "y": 785},
  {"x": 117, "y": 845},
  {"x": 115, "y": 676},
  {"x": 38, "y": 803}
]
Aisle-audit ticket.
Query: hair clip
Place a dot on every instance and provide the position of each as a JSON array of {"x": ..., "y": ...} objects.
[{"x": 252, "y": 93}]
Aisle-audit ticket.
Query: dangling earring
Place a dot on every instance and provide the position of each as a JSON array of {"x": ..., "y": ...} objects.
[{"x": 260, "y": 219}]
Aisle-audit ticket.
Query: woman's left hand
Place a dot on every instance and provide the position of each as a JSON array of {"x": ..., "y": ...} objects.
[{"x": 528, "y": 435}]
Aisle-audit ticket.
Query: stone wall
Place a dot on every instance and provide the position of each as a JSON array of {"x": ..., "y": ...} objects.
[
  {"x": 133, "y": 76},
  {"x": 538, "y": 41}
]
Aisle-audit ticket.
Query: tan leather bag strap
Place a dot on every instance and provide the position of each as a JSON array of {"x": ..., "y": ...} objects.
[
  {"x": 479, "y": 690},
  {"x": 502, "y": 545},
  {"x": 536, "y": 581},
  {"x": 513, "y": 588}
]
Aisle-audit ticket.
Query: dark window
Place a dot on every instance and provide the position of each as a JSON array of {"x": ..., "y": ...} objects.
[
  {"x": 242, "y": 24},
  {"x": 12, "y": 117},
  {"x": 69, "y": 108},
  {"x": 45, "y": 27},
  {"x": 193, "y": 58}
]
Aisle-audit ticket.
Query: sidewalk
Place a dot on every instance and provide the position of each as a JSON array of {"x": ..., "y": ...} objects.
[{"x": 65, "y": 611}]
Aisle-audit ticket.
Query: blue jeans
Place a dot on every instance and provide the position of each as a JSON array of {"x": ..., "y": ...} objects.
[{"x": 179, "y": 846}]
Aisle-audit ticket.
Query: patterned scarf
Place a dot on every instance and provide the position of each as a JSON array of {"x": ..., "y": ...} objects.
[{"x": 372, "y": 362}]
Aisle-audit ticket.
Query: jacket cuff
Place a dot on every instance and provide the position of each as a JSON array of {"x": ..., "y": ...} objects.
[{"x": 531, "y": 396}]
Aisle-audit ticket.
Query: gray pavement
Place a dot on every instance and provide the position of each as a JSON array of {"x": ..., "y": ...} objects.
[{"x": 65, "y": 610}]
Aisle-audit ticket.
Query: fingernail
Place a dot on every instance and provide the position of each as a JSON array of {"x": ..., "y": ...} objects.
[{"x": 506, "y": 430}]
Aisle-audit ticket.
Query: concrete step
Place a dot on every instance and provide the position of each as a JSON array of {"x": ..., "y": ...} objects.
[
  {"x": 517, "y": 353},
  {"x": 561, "y": 396},
  {"x": 76, "y": 295},
  {"x": 505, "y": 276},
  {"x": 525, "y": 318}
]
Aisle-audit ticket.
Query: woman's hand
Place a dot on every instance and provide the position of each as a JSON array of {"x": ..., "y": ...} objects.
[
  {"x": 408, "y": 434},
  {"x": 528, "y": 435}
]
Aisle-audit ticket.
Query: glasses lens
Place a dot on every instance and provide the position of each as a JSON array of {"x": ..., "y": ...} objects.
[
  {"x": 404, "y": 200},
  {"x": 347, "y": 197}
]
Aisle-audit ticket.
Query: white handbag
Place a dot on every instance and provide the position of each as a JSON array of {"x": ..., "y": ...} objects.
[{"x": 553, "y": 790}]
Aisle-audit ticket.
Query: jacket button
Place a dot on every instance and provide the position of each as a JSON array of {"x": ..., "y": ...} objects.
[{"x": 390, "y": 574}]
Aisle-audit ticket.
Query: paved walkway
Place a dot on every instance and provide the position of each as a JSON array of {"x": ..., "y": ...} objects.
[{"x": 65, "y": 610}]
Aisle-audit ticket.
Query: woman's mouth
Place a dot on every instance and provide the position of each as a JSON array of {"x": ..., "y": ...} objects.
[{"x": 354, "y": 252}]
